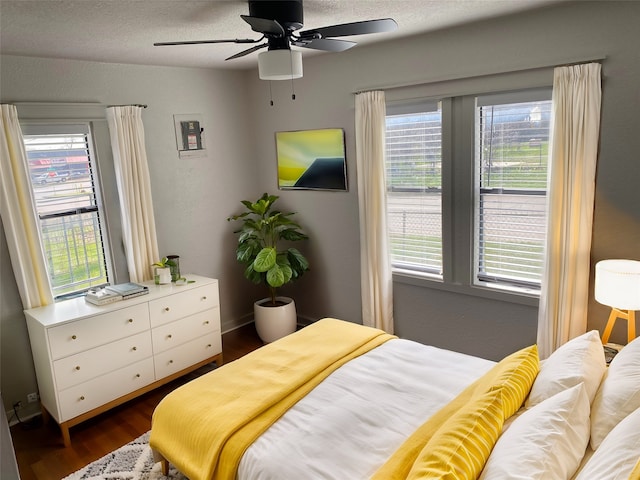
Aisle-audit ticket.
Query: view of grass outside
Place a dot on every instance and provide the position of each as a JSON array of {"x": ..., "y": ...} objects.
[
  {"x": 499, "y": 257},
  {"x": 415, "y": 230},
  {"x": 423, "y": 249},
  {"x": 75, "y": 259}
]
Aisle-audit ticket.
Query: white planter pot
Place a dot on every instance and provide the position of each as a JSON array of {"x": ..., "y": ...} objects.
[
  {"x": 273, "y": 323},
  {"x": 162, "y": 276}
]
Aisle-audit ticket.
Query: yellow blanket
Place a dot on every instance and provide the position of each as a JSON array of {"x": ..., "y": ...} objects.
[{"x": 204, "y": 427}]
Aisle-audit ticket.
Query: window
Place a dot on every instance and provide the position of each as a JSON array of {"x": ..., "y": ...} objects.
[
  {"x": 512, "y": 142},
  {"x": 414, "y": 187},
  {"x": 67, "y": 201},
  {"x": 466, "y": 188}
]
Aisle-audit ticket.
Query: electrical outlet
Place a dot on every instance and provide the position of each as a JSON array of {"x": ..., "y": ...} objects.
[{"x": 32, "y": 397}]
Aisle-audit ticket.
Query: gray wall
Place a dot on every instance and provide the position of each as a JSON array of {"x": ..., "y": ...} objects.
[
  {"x": 192, "y": 198},
  {"x": 456, "y": 317}
]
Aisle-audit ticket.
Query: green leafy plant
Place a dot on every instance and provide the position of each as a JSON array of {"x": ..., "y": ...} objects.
[
  {"x": 164, "y": 263},
  {"x": 260, "y": 244}
]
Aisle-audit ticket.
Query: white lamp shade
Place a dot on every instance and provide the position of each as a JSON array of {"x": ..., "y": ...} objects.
[
  {"x": 280, "y": 65},
  {"x": 618, "y": 284}
]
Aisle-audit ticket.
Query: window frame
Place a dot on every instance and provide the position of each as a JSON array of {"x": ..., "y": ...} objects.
[
  {"x": 61, "y": 127},
  {"x": 492, "y": 99},
  {"x": 424, "y": 105},
  {"x": 32, "y": 113},
  {"x": 458, "y": 179}
]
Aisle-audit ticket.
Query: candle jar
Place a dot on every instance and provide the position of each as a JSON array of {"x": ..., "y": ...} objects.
[{"x": 175, "y": 266}]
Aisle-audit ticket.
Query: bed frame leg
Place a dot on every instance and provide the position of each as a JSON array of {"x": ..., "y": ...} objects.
[{"x": 164, "y": 463}]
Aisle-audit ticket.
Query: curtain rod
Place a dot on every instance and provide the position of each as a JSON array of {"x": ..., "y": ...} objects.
[
  {"x": 129, "y": 105},
  {"x": 589, "y": 59}
]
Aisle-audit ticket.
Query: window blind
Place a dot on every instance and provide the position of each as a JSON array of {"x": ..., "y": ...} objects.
[
  {"x": 512, "y": 151},
  {"x": 414, "y": 189},
  {"x": 63, "y": 180}
]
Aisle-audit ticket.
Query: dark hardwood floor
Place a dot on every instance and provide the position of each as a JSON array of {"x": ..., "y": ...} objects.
[{"x": 39, "y": 449}]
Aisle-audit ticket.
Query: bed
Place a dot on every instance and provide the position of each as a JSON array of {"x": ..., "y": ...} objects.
[{"x": 337, "y": 400}]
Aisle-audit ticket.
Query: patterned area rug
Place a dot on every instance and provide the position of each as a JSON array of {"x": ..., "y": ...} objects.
[{"x": 134, "y": 461}]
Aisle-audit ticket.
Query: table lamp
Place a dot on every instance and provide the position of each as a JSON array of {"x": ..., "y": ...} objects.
[{"x": 618, "y": 286}]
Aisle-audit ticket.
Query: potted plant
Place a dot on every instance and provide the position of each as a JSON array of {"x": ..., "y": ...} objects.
[
  {"x": 260, "y": 248},
  {"x": 162, "y": 271}
]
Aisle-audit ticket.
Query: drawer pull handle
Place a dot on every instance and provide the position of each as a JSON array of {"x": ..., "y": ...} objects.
[
  {"x": 170, "y": 361},
  {"x": 206, "y": 322},
  {"x": 208, "y": 345},
  {"x": 130, "y": 320},
  {"x": 77, "y": 367},
  {"x": 137, "y": 375},
  {"x": 82, "y": 398},
  {"x": 169, "y": 336},
  {"x": 135, "y": 348},
  {"x": 166, "y": 309},
  {"x": 73, "y": 337},
  {"x": 204, "y": 298}
]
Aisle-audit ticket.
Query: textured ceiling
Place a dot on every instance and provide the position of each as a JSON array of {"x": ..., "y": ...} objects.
[{"x": 123, "y": 31}]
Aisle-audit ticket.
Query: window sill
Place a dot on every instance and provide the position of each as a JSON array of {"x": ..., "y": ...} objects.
[{"x": 512, "y": 295}]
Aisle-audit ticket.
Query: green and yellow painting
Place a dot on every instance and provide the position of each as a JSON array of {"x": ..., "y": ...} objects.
[{"x": 311, "y": 159}]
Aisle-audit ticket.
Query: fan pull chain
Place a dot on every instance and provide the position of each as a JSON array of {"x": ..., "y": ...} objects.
[
  {"x": 270, "y": 95},
  {"x": 293, "y": 91}
]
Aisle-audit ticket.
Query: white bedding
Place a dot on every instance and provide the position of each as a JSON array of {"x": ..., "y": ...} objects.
[{"x": 330, "y": 435}]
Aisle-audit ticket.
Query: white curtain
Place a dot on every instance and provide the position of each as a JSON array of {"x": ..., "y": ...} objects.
[
  {"x": 134, "y": 190},
  {"x": 375, "y": 270},
  {"x": 19, "y": 217},
  {"x": 573, "y": 155}
]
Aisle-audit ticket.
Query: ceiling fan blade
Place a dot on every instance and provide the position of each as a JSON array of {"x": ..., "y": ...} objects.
[
  {"x": 264, "y": 25},
  {"x": 247, "y": 51},
  {"x": 198, "y": 42},
  {"x": 355, "y": 28},
  {"x": 326, "y": 44}
]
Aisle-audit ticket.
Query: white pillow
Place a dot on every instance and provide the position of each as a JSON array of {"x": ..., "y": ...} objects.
[
  {"x": 580, "y": 360},
  {"x": 618, "y": 453},
  {"x": 545, "y": 442},
  {"x": 619, "y": 393}
]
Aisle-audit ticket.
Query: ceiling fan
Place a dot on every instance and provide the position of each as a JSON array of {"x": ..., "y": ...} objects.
[{"x": 279, "y": 21}]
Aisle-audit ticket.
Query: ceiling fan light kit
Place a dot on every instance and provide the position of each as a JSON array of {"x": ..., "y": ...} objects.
[
  {"x": 280, "y": 65},
  {"x": 278, "y": 22}
]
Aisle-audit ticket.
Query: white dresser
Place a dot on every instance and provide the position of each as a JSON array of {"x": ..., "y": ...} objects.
[{"x": 90, "y": 358}]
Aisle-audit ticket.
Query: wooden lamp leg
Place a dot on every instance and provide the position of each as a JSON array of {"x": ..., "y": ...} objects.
[
  {"x": 610, "y": 323},
  {"x": 631, "y": 327},
  {"x": 630, "y": 317}
]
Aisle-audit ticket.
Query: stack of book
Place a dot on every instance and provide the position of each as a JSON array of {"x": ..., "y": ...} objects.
[
  {"x": 128, "y": 290},
  {"x": 115, "y": 293}
]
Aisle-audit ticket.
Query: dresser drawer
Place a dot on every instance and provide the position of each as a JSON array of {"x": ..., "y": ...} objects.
[
  {"x": 81, "y": 335},
  {"x": 81, "y": 398},
  {"x": 181, "y": 331},
  {"x": 84, "y": 366},
  {"x": 185, "y": 355},
  {"x": 178, "y": 305}
]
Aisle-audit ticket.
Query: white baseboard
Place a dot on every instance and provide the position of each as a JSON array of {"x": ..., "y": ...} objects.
[{"x": 229, "y": 326}]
